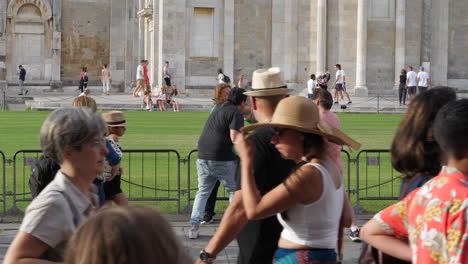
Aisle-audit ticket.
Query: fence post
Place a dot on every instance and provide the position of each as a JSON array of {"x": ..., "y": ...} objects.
[
  {"x": 358, "y": 209},
  {"x": 2, "y": 155}
]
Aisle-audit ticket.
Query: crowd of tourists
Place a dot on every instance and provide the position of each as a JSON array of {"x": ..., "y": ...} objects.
[{"x": 283, "y": 173}]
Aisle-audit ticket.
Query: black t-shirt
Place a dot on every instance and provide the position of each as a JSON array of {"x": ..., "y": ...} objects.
[
  {"x": 403, "y": 78},
  {"x": 22, "y": 75},
  {"x": 258, "y": 240},
  {"x": 215, "y": 141}
]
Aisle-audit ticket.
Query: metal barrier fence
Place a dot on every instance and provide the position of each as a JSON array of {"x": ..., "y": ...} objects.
[
  {"x": 3, "y": 179},
  {"x": 376, "y": 179},
  {"x": 158, "y": 168},
  {"x": 155, "y": 175},
  {"x": 149, "y": 175},
  {"x": 346, "y": 157}
]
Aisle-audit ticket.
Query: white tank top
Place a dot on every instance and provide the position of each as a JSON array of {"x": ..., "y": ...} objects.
[{"x": 316, "y": 224}]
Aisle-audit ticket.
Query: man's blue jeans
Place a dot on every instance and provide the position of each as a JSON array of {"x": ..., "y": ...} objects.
[{"x": 210, "y": 171}]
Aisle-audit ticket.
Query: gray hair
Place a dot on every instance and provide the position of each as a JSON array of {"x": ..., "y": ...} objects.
[{"x": 69, "y": 127}]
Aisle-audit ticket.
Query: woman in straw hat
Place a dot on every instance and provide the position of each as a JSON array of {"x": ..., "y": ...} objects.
[{"x": 309, "y": 203}]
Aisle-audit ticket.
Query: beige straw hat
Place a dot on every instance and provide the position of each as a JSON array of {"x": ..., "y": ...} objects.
[
  {"x": 267, "y": 83},
  {"x": 302, "y": 114},
  {"x": 114, "y": 118}
]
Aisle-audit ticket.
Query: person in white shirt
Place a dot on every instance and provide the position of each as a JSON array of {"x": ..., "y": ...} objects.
[
  {"x": 311, "y": 85},
  {"x": 140, "y": 79},
  {"x": 423, "y": 80},
  {"x": 220, "y": 77},
  {"x": 411, "y": 83},
  {"x": 340, "y": 85}
]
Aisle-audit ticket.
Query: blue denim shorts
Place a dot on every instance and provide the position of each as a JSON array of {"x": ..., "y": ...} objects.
[{"x": 304, "y": 256}]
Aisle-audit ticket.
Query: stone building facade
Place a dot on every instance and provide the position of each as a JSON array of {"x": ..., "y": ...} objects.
[{"x": 372, "y": 39}]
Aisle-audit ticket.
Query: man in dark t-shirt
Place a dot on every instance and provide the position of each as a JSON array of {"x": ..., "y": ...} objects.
[
  {"x": 257, "y": 239},
  {"x": 216, "y": 161}
]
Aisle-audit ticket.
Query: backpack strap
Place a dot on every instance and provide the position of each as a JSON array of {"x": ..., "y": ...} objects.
[{"x": 75, "y": 213}]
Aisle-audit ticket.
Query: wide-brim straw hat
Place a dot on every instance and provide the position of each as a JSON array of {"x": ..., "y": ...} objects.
[
  {"x": 268, "y": 82},
  {"x": 302, "y": 114},
  {"x": 114, "y": 118}
]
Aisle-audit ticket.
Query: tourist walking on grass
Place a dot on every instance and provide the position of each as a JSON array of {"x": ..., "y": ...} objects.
[
  {"x": 423, "y": 80},
  {"x": 315, "y": 185},
  {"x": 130, "y": 235},
  {"x": 311, "y": 86},
  {"x": 257, "y": 240},
  {"x": 216, "y": 160},
  {"x": 340, "y": 85},
  {"x": 402, "y": 87},
  {"x": 140, "y": 79},
  {"x": 71, "y": 137},
  {"x": 117, "y": 126},
  {"x": 105, "y": 79},
  {"x": 22, "y": 78},
  {"x": 433, "y": 217},
  {"x": 411, "y": 83}
]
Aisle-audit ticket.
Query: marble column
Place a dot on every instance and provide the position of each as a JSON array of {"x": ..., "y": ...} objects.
[
  {"x": 155, "y": 61},
  {"x": 361, "y": 52},
  {"x": 228, "y": 65},
  {"x": 321, "y": 36},
  {"x": 118, "y": 39},
  {"x": 3, "y": 16},
  {"x": 399, "y": 40},
  {"x": 439, "y": 43},
  {"x": 284, "y": 48},
  {"x": 141, "y": 32}
]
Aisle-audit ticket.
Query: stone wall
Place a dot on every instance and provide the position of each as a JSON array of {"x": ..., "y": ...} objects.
[
  {"x": 414, "y": 12},
  {"x": 341, "y": 35},
  {"x": 252, "y": 49},
  {"x": 381, "y": 45},
  {"x": 85, "y": 38},
  {"x": 306, "y": 41},
  {"x": 458, "y": 40}
]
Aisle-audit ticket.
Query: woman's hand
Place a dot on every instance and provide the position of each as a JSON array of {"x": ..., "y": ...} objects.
[{"x": 245, "y": 147}]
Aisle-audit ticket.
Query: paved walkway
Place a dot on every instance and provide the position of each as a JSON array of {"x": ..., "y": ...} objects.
[
  {"x": 181, "y": 227},
  {"x": 40, "y": 100}
]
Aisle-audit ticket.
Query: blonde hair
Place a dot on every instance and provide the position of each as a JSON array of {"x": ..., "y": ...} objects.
[
  {"x": 85, "y": 101},
  {"x": 125, "y": 235}
]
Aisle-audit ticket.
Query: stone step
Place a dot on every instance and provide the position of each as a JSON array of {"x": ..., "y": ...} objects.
[{"x": 42, "y": 105}]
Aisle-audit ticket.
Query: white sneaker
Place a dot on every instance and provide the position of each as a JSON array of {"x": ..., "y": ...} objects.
[{"x": 193, "y": 233}]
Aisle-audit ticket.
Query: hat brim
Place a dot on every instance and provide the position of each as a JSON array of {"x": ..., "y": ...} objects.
[
  {"x": 336, "y": 136},
  {"x": 124, "y": 124},
  {"x": 268, "y": 92}
]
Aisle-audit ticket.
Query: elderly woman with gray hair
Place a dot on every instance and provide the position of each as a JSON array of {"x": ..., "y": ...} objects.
[{"x": 73, "y": 138}]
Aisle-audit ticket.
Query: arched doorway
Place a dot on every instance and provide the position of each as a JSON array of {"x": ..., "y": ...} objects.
[{"x": 29, "y": 39}]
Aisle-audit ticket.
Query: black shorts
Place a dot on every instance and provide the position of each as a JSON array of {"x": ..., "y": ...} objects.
[
  {"x": 339, "y": 87},
  {"x": 112, "y": 188},
  {"x": 422, "y": 89},
  {"x": 168, "y": 81},
  {"x": 411, "y": 89}
]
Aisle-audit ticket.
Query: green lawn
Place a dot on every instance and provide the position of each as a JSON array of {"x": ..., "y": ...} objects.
[{"x": 180, "y": 131}]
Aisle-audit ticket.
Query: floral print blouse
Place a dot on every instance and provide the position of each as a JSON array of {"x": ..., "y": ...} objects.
[{"x": 433, "y": 218}]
